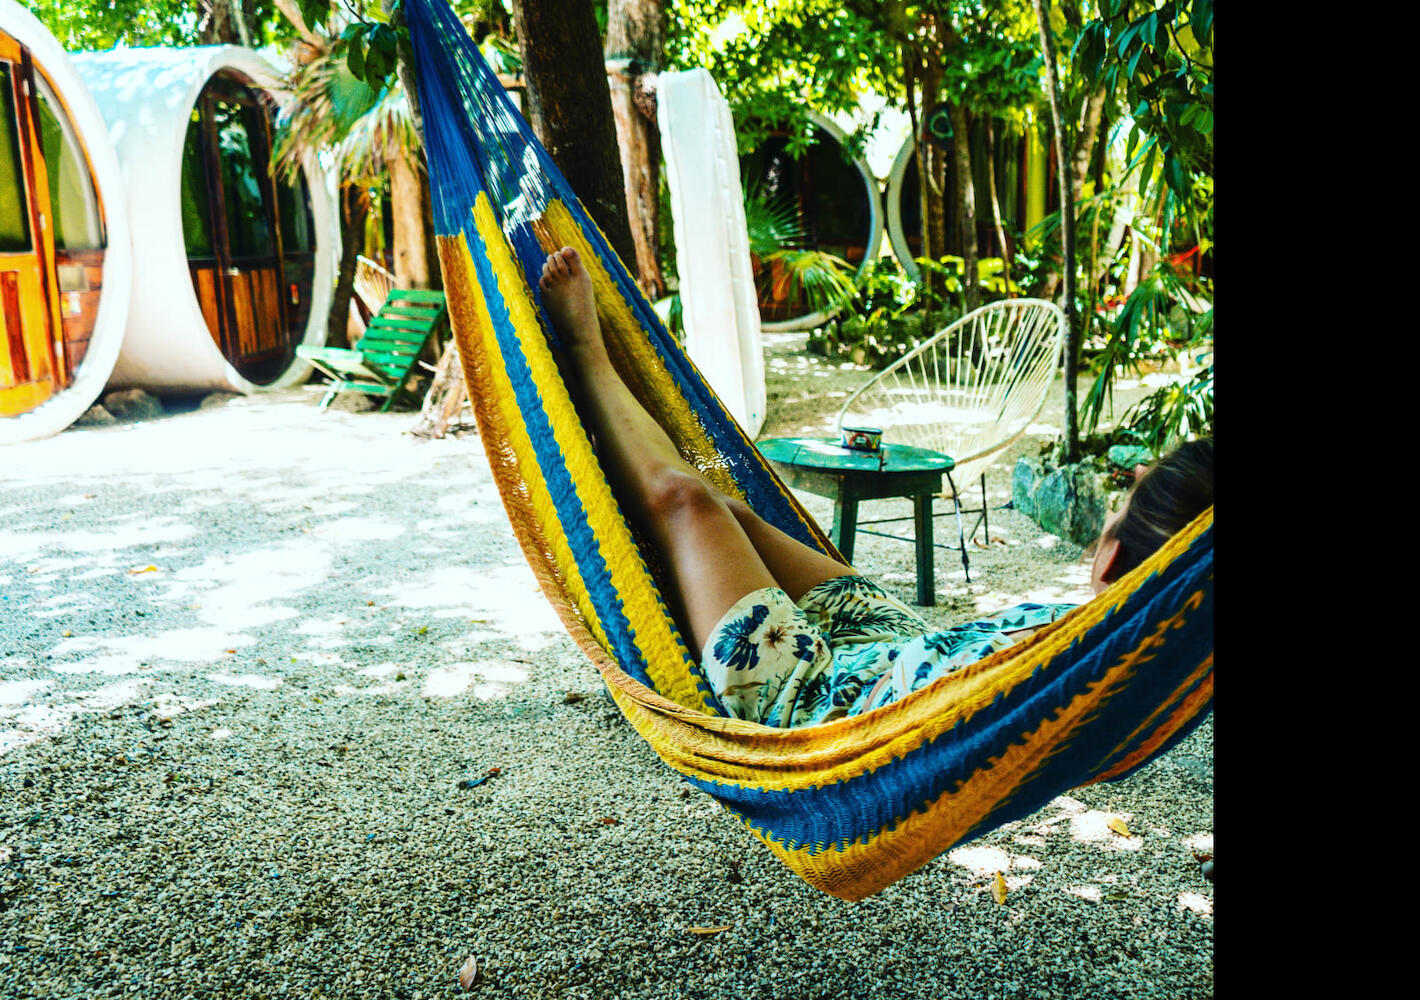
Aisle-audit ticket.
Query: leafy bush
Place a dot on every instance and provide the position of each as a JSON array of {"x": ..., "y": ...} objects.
[
  {"x": 1173, "y": 413},
  {"x": 892, "y": 314}
]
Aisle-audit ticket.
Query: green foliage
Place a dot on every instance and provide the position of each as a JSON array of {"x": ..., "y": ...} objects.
[
  {"x": 1161, "y": 55},
  {"x": 1152, "y": 315},
  {"x": 893, "y": 314},
  {"x": 772, "y": 223},
  {"x": 777, "y": 237},
  {"x": 83, "y": 25},
  {"x": 1174, "y": 413},
  {"x": 875, "y": 339}
]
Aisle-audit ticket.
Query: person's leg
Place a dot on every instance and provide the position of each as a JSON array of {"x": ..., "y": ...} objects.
[
  {"x": 797, "y": 567},
  {"x": 711, "y": 560}
]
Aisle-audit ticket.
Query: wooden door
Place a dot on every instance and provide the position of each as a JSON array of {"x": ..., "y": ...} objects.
[
  {"x": 232, "y": 229},
  {"x": 31, "y": 345}
]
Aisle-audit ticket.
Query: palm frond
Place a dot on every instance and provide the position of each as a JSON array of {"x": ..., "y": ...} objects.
[{"x": 331, "y": 109}]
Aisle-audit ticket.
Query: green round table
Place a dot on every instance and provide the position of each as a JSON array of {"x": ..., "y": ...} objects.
[{"x": 848, "y": 476}]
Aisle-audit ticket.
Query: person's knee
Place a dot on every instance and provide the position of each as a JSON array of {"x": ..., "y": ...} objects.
[{"x": 677, "y": 494}]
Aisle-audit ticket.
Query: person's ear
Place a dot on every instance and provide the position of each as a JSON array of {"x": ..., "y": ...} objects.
[{"x": 1106, "y": 559}]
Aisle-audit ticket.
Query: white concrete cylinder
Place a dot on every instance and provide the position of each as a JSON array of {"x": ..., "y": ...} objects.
[
  {"x": 65, "y": 406},
  {"x": 896, "y": 234},
  {"x": 147, "y": 97}
]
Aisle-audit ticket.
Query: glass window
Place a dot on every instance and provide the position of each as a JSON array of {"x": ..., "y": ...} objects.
[
  {"x": 248, "y": 224},
  {"x": 73, "y": 206},
  {"x": 196, "y": 216},
  {"x": 14, "y": 203},
  {"x": 296, "y": 230}
]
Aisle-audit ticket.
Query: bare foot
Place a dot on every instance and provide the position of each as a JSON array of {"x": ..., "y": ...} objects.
[{"x": 567, "y": 293}]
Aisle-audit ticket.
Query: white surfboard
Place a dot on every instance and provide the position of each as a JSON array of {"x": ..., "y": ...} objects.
[{"x": 722, "y": 333}]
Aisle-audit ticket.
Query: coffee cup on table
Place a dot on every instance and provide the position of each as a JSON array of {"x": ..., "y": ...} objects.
[{"x": 861, "y": 438}]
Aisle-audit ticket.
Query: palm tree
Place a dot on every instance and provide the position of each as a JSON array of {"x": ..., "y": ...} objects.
[{"x": 369, "y": 136}]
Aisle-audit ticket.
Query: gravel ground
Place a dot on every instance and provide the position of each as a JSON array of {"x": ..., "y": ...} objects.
[{"x": 255, "y": 661}]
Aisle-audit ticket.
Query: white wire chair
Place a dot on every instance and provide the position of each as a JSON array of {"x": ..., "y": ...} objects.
[{"x": 968, "y": 392}]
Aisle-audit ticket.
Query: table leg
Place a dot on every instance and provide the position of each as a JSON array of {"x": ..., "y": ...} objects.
[
  {"x": 845, "y": 525},
  {"x": 926, "y": 559}
]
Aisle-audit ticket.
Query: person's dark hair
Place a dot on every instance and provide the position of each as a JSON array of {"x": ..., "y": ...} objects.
[{"x": 1163, "y": 502}]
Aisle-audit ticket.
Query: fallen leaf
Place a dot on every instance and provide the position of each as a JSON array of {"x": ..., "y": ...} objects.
[
  {"x": 371, "y": 604},
  {"x": 1200, "y": 857},
  {"x": 68, "y": 634},
  {"x": 143, "y": 569},
  {"x": 998, "y": 888},
  {"x": 468, "y": 975},
  {"x": 1116, "y": 897},
  {"x": 1118, "y": 826},
  {"x": 229, "y": 651},
  {"x": 709, "y": 930},
  {"x": 608, "y": 820},
  {"x": 572, "y": 697},
  {"x": 422, "y": 630}
]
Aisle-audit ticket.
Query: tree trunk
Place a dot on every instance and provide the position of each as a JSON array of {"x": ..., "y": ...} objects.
[
  {"x": 1127, "y": 198},
  {"x": 225, "y": 23},
  {"x": 292, "y": 10},
  {"x": 924, "y": 65},
  {"x": 570, "y": 107},
  {"x": 414, "y": 260},
  {"x": 1085, "y": 141},
  {"x": 635, "y": 39},
  {"x": 1067, "y": 230},
  {"x": 354, "y": 209},
  {"x": 966, "y": 205},
  {"x": 1004, "y": 247},
  {"x": 965, "y": 187}
]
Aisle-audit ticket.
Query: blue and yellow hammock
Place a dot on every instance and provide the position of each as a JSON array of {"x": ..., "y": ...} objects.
[{"x": 852, "y": 805}]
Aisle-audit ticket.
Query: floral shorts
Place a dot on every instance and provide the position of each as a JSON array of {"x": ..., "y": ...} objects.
[{"x": 773, "y": 661}]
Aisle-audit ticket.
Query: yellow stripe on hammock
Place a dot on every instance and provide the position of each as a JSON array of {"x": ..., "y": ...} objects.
[
  {"x": 655, "y": 633},
  {"x": 636, "y": 359},
  {"x": 734, "y": 751}
]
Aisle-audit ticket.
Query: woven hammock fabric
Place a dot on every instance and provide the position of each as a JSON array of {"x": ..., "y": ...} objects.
[{"x": 852, "y": 805}]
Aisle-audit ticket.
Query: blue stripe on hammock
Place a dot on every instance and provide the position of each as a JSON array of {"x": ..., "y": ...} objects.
[
  {"x": 469, "y": 118},
  {"x": 834, "y": 816}
]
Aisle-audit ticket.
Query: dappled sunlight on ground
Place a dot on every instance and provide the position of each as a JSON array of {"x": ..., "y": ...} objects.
[
  {"x": 1196, "y": 902},
  {"x": 275, "y": 559},
  {"x": 485, "y": 678},
  {"x": 131, "y": 653}
]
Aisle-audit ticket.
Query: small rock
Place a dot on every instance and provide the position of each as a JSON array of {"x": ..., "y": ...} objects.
[
  {"x": 133, "y": 404},
  {"x": 95, "y": 416},
  {"x": 215, "y": 399},
  {"x": 1126, "y": 456}
]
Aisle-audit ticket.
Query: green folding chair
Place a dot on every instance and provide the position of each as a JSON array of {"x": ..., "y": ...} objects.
[{"x": 380, "y": 362}]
